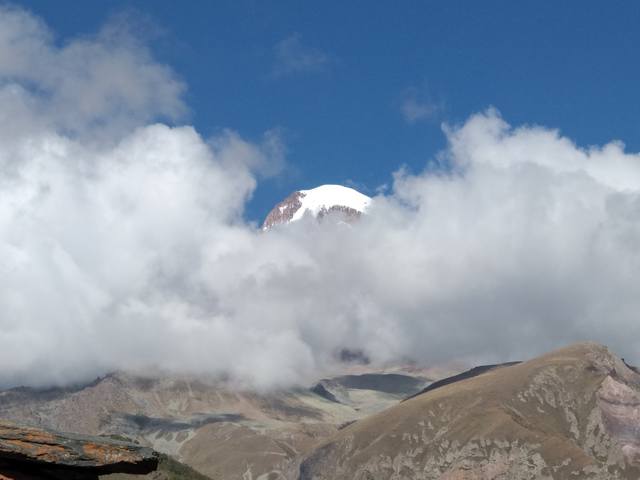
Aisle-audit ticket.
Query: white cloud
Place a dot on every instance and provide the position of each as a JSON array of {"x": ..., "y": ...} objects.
[
  {"x": 108, "y": 82},
  {"x": 133, "y": 253},
  {"x": 294, "y": 57}
]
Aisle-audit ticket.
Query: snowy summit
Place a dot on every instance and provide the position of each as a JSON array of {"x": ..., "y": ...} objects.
[{"x": 318, "y": 202}]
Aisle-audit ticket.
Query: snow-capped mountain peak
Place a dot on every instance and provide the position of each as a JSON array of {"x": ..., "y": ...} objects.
[{"x": 318, "y": 202}]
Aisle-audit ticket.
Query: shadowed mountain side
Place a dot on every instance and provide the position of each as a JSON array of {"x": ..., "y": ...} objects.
[
  {"x": 151, "y": 424},
  {"x": 396, "y": 385},
  {"x": 322, "y": 391},
  {"x": 386, "y": 382},
  {"x": 17, "y": 394},
  {"x": 572, "y": 413},
  {"x": 473, "y": 372},
  {"x": 632, "y": 367}
]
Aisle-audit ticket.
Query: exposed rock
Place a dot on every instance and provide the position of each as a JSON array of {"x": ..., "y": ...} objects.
[
  {"x": 283, "y": 212},
  {"x": 346, "y": 214},
  {"x": 27, "y": 452}
]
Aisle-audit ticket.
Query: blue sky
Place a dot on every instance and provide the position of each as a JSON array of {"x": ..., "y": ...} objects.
[
  {"x": 109, "y": 225},
  {"x": 359, "y": 89}
]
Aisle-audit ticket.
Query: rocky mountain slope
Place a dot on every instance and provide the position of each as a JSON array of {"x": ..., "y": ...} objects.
[
  {"x": 220, "y": 431},
  {"x": 344, "y": 203},
  {"x": 571, "y": 414}
]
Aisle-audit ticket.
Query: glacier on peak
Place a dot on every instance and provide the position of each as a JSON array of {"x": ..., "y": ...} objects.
[{"x": 318, "y": 202}]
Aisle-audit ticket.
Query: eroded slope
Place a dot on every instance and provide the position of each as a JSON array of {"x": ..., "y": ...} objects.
[{"x": 573, "y": 413}]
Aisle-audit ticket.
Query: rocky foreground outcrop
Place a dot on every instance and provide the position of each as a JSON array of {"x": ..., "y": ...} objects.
[
  {"x": 30, "y": 453},
  {"x": 570, "y": 414}
]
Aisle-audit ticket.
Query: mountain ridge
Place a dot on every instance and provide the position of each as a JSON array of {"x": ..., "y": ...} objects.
[{"x": 571, "y": 413}]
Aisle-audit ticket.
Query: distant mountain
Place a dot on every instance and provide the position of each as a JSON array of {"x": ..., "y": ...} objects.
[
  {"x": 345, "y": 203},
  {"x": 214, "y": 428},
  {"x": 571, "y": 414}
]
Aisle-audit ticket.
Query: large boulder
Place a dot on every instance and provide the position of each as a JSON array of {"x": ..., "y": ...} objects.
[{"x": 27, "y": 452}]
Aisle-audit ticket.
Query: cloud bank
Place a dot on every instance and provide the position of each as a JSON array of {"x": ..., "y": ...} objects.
[
  {"x": 106, "y": 83},
  {"x": 126, "y": 248}
]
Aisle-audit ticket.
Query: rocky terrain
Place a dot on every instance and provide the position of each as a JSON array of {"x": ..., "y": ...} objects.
[
  {"x": 30, "y": 453},
  {"x": 571, "y": 414},
  {"x": 219, "y": 431}
]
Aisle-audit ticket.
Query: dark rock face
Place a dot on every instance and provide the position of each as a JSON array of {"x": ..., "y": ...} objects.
[
  {"x": 284, "y": 211},
  {"x": 27, "y": 452},
  {"x": 392, "y": 383},
  {"x": 473, "y": 372},
  {"x": 320, "y": 389},
  {"x": 346, "y": 214}
]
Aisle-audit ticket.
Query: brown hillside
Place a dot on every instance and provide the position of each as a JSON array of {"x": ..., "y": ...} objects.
[{"x": 573, "y": 413}]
